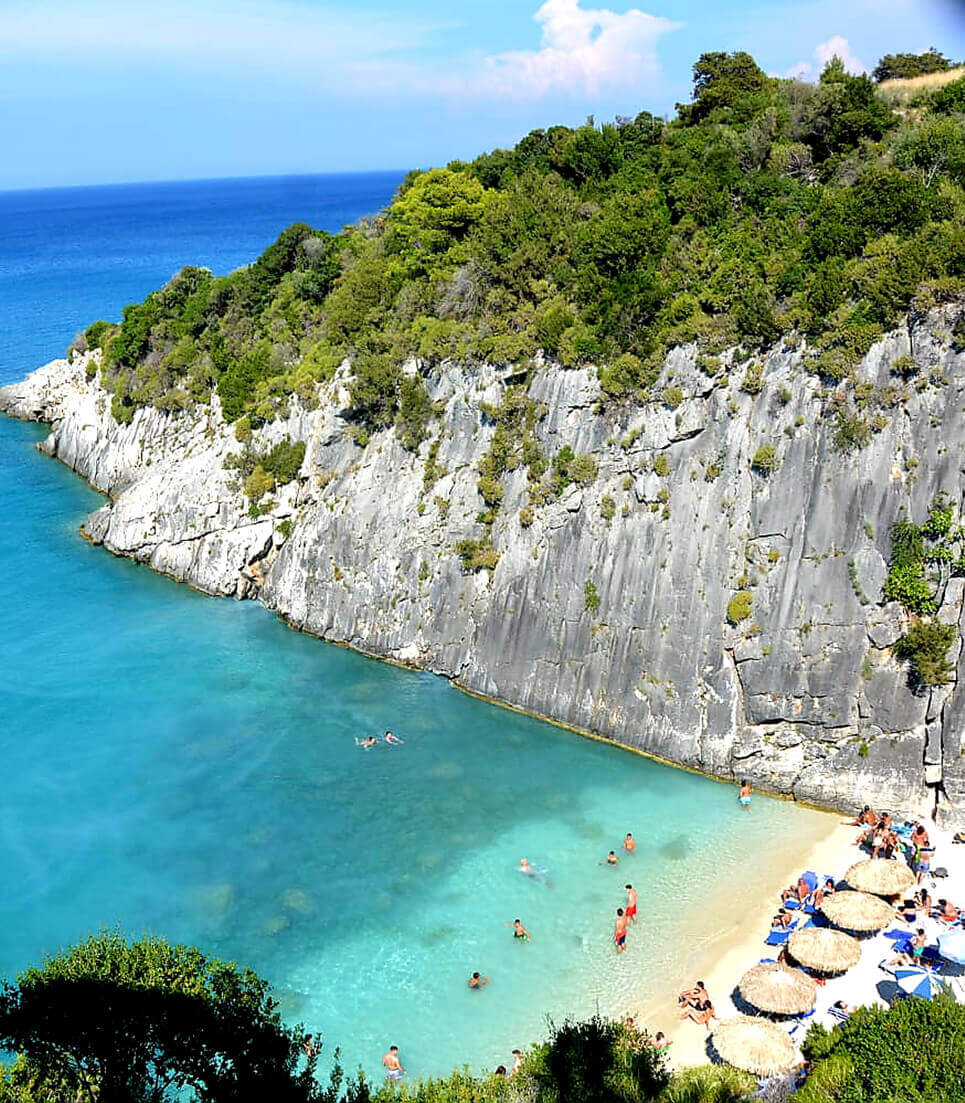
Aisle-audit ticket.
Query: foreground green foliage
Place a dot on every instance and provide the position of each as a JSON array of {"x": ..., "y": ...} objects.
[
  {"x": 913, "y": 1051},
  {"x": 115, "y": 1022},
  {"x": 923, "y": 558},
  {"x": 765, "y": 207}
]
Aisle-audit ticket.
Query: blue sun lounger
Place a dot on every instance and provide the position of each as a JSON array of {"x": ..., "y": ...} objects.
[{"x": 779, "y": 937}]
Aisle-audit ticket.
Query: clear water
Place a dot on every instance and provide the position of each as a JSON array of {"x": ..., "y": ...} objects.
[{"x": 186, "y": 765}]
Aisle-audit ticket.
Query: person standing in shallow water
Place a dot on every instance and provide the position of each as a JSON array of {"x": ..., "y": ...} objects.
[
  {"x": 631, "y": 902},
  {"x": 745, "y": 793},
  {"x": 620, "y": 931},
  {"x": 629, "y": 844},
  {"x": 392, "y": 1064}
]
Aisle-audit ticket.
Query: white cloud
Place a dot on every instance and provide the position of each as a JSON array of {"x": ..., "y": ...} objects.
[
  {"x": 836, "y": 46},
  {"x": 581, "y": 51}
]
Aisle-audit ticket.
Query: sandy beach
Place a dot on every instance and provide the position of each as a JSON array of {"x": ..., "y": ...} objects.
[{"x": 742, "y": 920}]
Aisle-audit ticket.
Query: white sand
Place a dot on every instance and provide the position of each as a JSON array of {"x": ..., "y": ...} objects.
[{"x": 725, "y": 959}]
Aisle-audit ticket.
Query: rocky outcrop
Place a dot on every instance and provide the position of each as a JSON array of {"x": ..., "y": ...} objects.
[{"x": 803, "y": 696}]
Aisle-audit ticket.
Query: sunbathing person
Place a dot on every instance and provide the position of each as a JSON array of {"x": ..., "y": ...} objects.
[
  {"x": 799, "y": 892},
  {"x": 947, "y": 912},
  {"x": 843, "y": 1009},
  {"x": 701, "y": 1010},
  {"x": 781, "y": 921},
  {"x": 691, "y": 995},
  {"x": 867, "y": 818}
]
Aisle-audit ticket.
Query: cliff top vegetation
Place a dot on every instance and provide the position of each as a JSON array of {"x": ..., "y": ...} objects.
[{"x": 765, "y": 208}]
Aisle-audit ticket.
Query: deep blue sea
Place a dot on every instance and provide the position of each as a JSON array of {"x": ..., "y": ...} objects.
[{"x": 186, "y": 765}]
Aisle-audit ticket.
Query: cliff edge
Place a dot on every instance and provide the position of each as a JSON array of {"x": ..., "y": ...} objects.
[{"x": 699, "y": 578}]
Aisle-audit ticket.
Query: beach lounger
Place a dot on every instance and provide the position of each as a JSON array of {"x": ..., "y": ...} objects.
[{"x": 779, "y": 937}]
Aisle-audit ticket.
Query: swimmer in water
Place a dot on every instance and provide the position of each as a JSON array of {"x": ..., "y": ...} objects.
[
  {"x": 477, "y": 981},
  {"x": 612, "y": 859},
  {"x": 629, "y": 844},
  {"x": 393, "y": 740},
  {"x": 369, "y": 741},
  {"x": 519, "y": 931}
]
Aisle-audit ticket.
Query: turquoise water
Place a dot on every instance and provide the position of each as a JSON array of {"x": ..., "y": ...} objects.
[{"x": 187, "y": 765}]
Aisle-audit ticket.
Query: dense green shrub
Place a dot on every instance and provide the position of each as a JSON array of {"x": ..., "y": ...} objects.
[
  {"x": 258, "y": 484},
  {"x": 113, "y": 1021},
  {"x": 925, "y": 645},
  {"x": 765, "y": 460},
  {"x": 913, "y": 1051},
  {"x": 284, "y": 460},
  {"x": 477, "y": 555},
  {"x": 591, "y": 597},
  {"x": 905, "y": 66},
  {"x": 739, "y": 607}
]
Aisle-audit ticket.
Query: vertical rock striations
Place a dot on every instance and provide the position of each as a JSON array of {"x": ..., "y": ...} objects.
[{"x": 612, "y": 604}]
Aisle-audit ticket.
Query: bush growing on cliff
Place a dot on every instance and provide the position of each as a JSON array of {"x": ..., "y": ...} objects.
[
  {"x": 477, "y": 555},
  {"x": 925, "y": 645},
  {"x": 284, "y": 460},
  {"x": 740, "y": 606}
]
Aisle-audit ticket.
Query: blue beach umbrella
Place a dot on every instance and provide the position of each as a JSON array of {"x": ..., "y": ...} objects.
[
  {"x": 951, "y": 946},
  {"x": 918, "y": 982}
]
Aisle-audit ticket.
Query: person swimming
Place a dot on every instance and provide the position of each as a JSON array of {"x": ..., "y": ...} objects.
[
  {"x": 629, "y": 844},
  {"x": 367, "y": 742},
  {"x": 476, "y": 981},
  {"x": 393, "y": 740},
  {"x": 519, "y": 931},
  {"x": 612, "y": 859}
]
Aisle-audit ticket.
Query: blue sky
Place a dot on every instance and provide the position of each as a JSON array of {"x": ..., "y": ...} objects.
[{"x": 97, "y": 91}]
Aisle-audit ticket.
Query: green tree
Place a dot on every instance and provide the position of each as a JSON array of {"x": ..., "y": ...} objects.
[
  {"x": 439, "y": 208},
  {"x": 913, "y": 1051},
  {"x": 904, "y": 66},
  {"x": 730, "y": 83},
  {"x": 144, "y": 1022}
]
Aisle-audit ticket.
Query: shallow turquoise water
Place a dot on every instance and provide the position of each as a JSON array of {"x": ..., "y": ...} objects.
[{"x": 187, "y": 765}]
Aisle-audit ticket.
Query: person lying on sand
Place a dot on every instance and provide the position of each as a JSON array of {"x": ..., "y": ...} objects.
[
  {"x": 844, "y": 1008},
  {"x": 700, "y": 1009},
  {"x": 781, "y": 921},
  {"x": 947, "y": 912}
]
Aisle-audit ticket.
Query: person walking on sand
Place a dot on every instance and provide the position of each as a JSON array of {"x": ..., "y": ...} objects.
[
  {"x": 392, "y": 1064},
  {"x": 631, "y": 902},
  {"x": 630, "y": 844},
  {"x": 620, "y": 931},
  {"x": 745, "y": 793}
]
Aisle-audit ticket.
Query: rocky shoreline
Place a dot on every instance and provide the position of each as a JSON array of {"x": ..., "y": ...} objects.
[{"x": 608, "y": 607}]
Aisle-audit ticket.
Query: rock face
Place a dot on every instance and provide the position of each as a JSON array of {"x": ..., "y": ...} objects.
[{"x": 802, "y": 696}]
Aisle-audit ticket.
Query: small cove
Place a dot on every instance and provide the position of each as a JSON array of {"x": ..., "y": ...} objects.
[{"x": 187, "y": 766}]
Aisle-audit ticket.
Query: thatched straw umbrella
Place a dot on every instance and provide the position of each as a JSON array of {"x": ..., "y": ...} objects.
[
  {"x": 824, "y": 950},
  {"x": 778, "y": 990},
  {"x": 755, "y": 1045},
  {"x": 857, "y": 911},
  {"x": 880, "y": 876}
]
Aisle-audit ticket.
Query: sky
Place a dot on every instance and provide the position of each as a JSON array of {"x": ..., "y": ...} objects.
[{"x": 105, "y": 91}]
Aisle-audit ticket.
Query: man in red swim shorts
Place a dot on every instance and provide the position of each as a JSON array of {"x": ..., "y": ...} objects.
[{"x": 631, "y": 902}]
